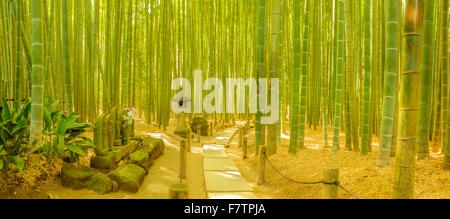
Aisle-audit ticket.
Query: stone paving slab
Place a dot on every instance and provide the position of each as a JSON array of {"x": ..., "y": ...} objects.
[
  {"x": 214, "y": 153},
  {"x": 222, "y": 177},
  {"x": 213, "y": 147},
  {"x": 232, "y": 195},
  {"x": 225, "y": 181},
  {"x": 219, "y": 164}
]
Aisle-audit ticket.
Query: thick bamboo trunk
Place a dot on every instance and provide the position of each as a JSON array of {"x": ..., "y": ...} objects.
[
  {"x": 409, "y": 101},
  {"x": 426, "y": 83},
  {"x": 37, "y": 92},
  {"x": 390, "y": 82},
  {"x": 295, "y": 86}
]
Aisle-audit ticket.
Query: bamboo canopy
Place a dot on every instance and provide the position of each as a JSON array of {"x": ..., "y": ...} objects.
[{"x": 366, "y": 69}]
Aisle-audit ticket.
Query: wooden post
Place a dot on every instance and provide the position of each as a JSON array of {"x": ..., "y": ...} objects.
[
  {"x": 189, "y": 140},
  {"x": 179, "y": 191},
  {"x": 183, "y": 152},
  {"x": 199, "y": 133},
  {"x": 244, "y": 148},
  {"x": 241, "y": 136},
  {"x": 211, "y": 129},
  {"x": 330, "y": 175},
  {"x": 261, "y": 165}
]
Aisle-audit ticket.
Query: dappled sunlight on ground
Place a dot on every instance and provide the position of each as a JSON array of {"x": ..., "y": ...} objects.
[{"x": 358, "y": 173}]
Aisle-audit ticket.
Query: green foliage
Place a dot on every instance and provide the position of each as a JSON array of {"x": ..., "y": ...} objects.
[
  {"x": 63, "y": 133},
  {"x": 14, "y": 130}
]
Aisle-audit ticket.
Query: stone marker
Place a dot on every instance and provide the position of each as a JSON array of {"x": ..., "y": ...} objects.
[
  {"x": 182, "y": 128},
  {"x": 110, "y": 132},
  {"x": 124, "y": 133},
  {"x": 98, "y": 137}
]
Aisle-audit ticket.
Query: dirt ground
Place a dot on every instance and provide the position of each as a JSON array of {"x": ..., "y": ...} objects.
[{"x": 359, "y": 174}]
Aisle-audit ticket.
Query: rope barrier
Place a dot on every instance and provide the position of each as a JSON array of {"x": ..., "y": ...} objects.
[
  {"x": 310, "y": 183},
  {"x": 11, "y": 100}
]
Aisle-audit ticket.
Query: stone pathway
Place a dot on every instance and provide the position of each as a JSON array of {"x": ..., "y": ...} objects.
[{"x": 222, "y": 177}]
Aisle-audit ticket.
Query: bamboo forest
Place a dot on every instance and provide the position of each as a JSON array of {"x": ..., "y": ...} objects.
[{"x": 224, "y": 99}]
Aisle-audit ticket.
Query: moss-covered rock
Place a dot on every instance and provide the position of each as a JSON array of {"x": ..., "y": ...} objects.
[
  {"x": 76, "y": 177},
  {"x": 105, "y": 162},
  {"x": 141, "y": 158},
  {"x": 101, "y": 184},
  {"x": 129, "y": 177},
  {"x": 156, "y": 145},
  {"x": 147, "y": 141},
  {"x": 123, "y": 152}
]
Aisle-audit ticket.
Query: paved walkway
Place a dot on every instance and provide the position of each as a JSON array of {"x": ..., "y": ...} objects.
[{"x": 222, "y": 177}]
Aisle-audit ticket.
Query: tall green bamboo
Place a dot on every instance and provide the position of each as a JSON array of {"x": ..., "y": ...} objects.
[
  {"x": 409, "y": 101},
  {"x": 350, "y": 78},
  {"x": 304, "y": 77},
  {"x": 272, "y": 130},
  {"x": 366, "y": 134},
  {"x": 339, "y": 76},
  {"x": 260, "y": 131},
  {"x": 390, "y": 80},
  {"x": 37, "y": 92},
  {"x": 426, "y": 82},
  {"x": 445, "y": 77},
  {"x": 295, "y": 86},
  {"x": 444, "y": 72}
]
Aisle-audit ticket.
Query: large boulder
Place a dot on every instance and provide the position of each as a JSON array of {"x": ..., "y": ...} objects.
[
  {"x": 107, "y": 162},
  {"x": 129, "y": 177},
  {"x": 76, "y": 177}
]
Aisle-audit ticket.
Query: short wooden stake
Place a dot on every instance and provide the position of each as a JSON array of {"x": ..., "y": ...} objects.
[
  {"x": 189, "y": 140},
  {"x": 179, "y": 191},
  {"x": 211, "y": 130},
  {"x": 241, "y": 136},
  {"x": 261, "y": 165},
  {"x": 183, "y": 157},
  {"x": 330, "y": 175},
  {"x": 244, "y": 147},
  {"x": 199, "y": 134}
]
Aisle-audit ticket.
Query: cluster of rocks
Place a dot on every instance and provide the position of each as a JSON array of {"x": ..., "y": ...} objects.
[
  {"x": 121, "y": 160},
  {"x": 123, "y": 168}
]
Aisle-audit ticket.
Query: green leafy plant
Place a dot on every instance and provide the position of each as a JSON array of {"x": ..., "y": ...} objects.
[
  {"x": 63, "y": 133},
  {"x": 14, "y": 130}
]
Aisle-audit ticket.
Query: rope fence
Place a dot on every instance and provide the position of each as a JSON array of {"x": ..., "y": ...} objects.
[{"x": 336, "y": 183}]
